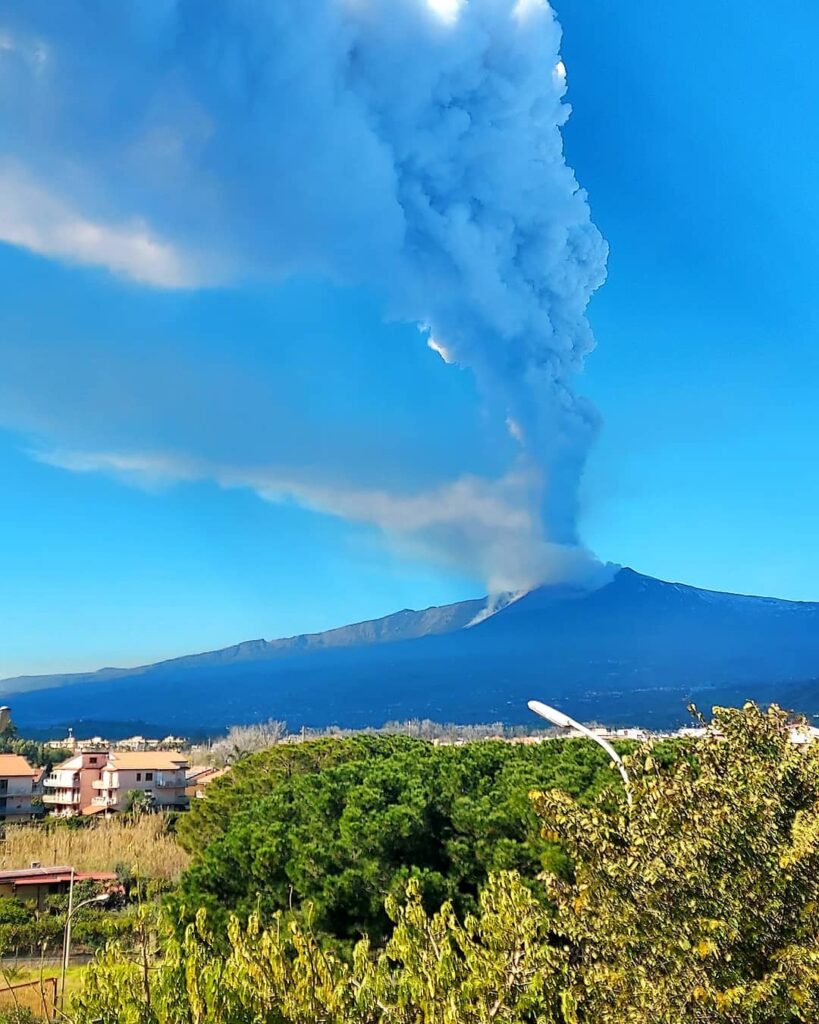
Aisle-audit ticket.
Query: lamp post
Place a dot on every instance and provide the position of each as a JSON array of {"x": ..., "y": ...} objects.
[
  {"x": 100, "y": 898},
  {"x": 562, "y": 721}
]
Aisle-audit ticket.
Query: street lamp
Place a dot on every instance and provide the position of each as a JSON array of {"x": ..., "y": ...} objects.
[
  {"x": 102, "y": 897},
  {"x": 564, "y": 722}
]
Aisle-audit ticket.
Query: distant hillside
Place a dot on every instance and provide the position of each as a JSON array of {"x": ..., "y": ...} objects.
[
  {"x": 403, "y": 625},
  {"x": 635, "y": 650}
]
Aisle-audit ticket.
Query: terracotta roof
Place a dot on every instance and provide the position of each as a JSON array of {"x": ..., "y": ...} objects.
[
  {"x": 152, "y": 760},
  {"x": 200, "y": 773},
  {"x": 14, "y": 765},
  {"x": 38, "y": 876}
]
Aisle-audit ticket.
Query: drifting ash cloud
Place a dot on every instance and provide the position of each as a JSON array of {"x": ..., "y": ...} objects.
[
  {"x": 465, "y": 524},
  {"x": 36, "y": 219},
  {"x": 409, "y": 146}
]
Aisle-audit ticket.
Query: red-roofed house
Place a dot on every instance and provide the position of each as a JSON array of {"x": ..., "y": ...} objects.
[
  {"x": 159, "y": 773},
  {"x": 68, "y": 789},
  {"x": 16, "y": 787},
  {"x": 99, "y": 781},
  {"x": 34, "y": 884}
]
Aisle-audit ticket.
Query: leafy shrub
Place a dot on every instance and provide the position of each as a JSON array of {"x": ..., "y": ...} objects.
[
  {"x": 13, "y": 911},
  {"x": 18, "y": 1015}
]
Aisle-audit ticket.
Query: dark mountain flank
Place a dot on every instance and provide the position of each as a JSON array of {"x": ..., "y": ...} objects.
[{"x": 636, "y": 651}]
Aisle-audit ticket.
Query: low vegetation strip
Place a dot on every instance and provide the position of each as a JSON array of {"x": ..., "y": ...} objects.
[{"x": 140, "y": 845}]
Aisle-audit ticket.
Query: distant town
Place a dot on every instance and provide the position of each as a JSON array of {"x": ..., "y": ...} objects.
[{"x": 95, "y": 776}]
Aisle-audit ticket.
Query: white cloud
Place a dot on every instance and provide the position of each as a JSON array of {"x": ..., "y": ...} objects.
[
  {"x": 42, "y": 222},
  {"x": 527, "y": 8},
  {"x": 447, "y": 10},
  {"x": 442, "y": 350},
  {"x": 515, "y": 429}
]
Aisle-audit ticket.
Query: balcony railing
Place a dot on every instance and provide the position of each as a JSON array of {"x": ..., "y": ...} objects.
[
  {"x": 62, "y": 798},
  {"x": 103, "y": 801}
]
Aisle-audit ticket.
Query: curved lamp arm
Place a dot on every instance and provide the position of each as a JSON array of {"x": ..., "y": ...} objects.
[{"x": 555, "y": 717}]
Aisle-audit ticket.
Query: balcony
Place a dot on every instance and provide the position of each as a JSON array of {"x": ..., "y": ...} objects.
[
  {"x": 99, "y": 784},
  {"x": 103, "y": 801},
  {"x": 59, "y": 781},
  {"x": 72, "y": 798}
]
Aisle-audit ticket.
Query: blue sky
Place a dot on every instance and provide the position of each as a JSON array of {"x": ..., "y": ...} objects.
[{"x": 139, "y": 422}]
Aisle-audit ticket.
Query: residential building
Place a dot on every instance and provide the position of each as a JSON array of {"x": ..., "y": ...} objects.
[
  {"x": 69, "y": 743},
  {"x": 99, "y": 781},
  {"x": 201, "y": 776},
  {"x": 36, "y": 884},
  {"x": 16, "y": 787},
  {"x": 803, "y": 734},
  {"x": 158, "y": 773},
  {"x": 143, "y": 743},
  {"x": 69, "y": 788}
]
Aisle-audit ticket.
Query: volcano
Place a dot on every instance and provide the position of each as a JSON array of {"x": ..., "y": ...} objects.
[{"x": 635, "y": 651}]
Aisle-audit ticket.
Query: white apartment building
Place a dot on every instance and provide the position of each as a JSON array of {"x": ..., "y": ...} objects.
[
  {"x": 162, "y": 774},
  {"x": 68, "y": 789},
  {"x": 16, "y": 787},
  {"x": 99, "y": 781}
]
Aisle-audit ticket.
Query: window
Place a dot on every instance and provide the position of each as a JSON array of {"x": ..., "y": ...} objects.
[
  {"x": 149, "y": 776},
  {"x": 4, "y": 785},
  {"x": 139, "y": 776},
  {"x": 93, "y": 760}
]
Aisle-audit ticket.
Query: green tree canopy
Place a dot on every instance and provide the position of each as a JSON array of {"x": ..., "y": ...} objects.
[
  {"x": 697, "y": 905},
  {"x": 342, "y": 824}
]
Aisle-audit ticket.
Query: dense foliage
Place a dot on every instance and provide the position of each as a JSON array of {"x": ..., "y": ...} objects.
[
  {"x": 28, "y": 931},
  {"x": 39, "y": 755},
  {"x": 344, "y": 823},
  {"x": 699, "y": 904}
]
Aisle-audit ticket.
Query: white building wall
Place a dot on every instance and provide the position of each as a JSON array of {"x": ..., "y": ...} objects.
[{"x": 15, "y": 796}]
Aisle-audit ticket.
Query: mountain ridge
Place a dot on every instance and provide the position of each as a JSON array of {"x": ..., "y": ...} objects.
[
  {"x": 404, "y": 624},
  {"x": 634, "y": 651}
]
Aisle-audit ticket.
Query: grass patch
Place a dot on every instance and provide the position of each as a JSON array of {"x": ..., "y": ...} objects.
[
  {"x": 144, "y": 845},
  {"x": 18, "y": 973}
]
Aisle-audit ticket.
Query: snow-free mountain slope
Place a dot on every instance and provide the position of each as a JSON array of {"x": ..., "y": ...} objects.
[{"x": 635, "y": 650}]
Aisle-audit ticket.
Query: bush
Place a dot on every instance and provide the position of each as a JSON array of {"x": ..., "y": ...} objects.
[
  {"x": 18, "y": 1015},
  {"x": 13, "y": 911}
]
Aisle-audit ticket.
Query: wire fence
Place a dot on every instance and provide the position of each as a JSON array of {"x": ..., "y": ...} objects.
[{"x": 39, "y": 996}]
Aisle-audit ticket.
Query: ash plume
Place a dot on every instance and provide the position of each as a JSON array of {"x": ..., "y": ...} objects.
[{"x": 410, "y": 146}]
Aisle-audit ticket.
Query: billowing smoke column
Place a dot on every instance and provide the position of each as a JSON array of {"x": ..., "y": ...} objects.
[
  {"x": 499, "y": 256},
  {"x": 413, "y": 146}
]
